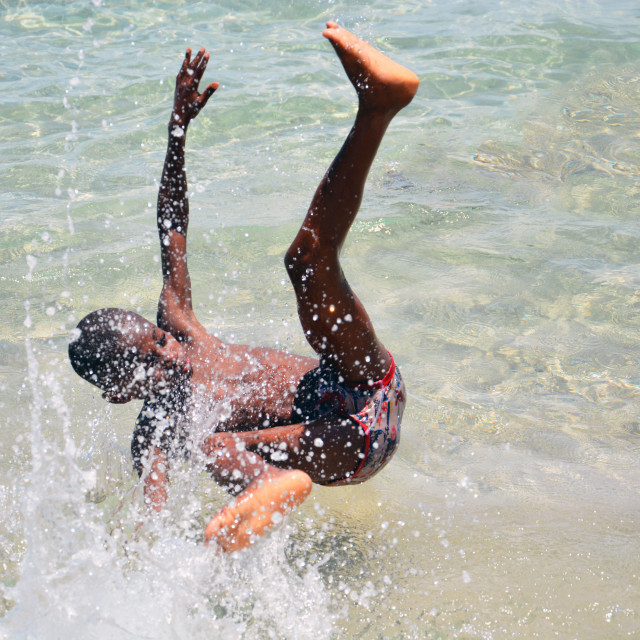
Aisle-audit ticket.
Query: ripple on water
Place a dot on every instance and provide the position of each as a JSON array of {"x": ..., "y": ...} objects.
[{"x": 590, "y": 137}]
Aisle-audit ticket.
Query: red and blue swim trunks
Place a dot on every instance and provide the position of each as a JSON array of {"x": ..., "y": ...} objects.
[{"x": 376, "y": 408}]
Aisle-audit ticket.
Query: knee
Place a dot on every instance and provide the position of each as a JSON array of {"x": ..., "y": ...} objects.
[
  {"x": 307, "y": 254},
  {"x": 300, "y": 258}
]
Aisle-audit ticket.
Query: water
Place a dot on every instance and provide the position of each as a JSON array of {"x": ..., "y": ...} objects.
[{"x": 496, "y": 250}]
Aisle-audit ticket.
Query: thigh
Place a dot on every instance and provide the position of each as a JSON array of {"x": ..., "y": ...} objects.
[
  {"x": 327, "y": 449},
  {"x": 335, "y": 322}
]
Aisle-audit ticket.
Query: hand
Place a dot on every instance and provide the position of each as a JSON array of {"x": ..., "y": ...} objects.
[{"x": 187, "y": 102}]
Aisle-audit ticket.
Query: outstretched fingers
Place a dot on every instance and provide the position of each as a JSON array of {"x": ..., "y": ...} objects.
[
  {"x": 188, "y": 101},
  {"x": 206, "y": 94},
  {"x": 186, "y": 61},
  {"x": 194, "y": 68},
  {"x": 199, "y": 63}
]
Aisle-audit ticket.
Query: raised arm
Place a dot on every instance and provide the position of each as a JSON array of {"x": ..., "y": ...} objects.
[{"x": 175, "y": 311}]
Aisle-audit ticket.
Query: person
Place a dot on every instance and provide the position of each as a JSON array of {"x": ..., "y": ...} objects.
[{"x": 266, "y": 423}]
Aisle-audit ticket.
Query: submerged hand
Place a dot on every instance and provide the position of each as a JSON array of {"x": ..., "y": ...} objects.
[{"x": 187, "y": 102}]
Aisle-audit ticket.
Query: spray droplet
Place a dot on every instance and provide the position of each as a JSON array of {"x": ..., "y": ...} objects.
[{"x": 32, "y": 261}]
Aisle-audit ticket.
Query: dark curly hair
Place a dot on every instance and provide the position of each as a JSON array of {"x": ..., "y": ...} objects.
[{"x": 98, "y": 351}]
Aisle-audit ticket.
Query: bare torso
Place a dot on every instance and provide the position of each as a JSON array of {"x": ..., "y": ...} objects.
[
  {"x": 235, "y": 387},
  {"x": 254, "y": 386}
]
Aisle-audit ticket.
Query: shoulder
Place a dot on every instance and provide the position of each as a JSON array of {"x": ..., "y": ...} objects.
[{"x": 188, "y": 330}]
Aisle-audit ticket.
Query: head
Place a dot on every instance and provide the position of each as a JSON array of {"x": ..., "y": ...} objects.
[{"x": 127, "y": 356}]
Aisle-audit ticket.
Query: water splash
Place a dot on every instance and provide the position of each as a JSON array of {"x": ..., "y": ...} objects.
[{"x": 88, "y": 570}]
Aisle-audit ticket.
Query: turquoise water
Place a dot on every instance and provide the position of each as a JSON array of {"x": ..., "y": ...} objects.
[{"x": 496, "y": 251}]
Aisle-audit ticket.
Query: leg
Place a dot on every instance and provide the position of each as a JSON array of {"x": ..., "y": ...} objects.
[
  {"x": 332, "y": 317},
  {"x": 326, "y": 449},
  {"x": 265, "y": 494}
]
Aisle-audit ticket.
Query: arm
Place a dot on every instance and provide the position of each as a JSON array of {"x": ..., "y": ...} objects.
[
  {"x": 150, "y": 442},
  {"x": 156, "y": 481},
  {"x": 175, "y": 311}
]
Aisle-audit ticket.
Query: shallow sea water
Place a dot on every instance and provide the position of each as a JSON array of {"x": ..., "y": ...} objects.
[{"x": 496, "y": 251}]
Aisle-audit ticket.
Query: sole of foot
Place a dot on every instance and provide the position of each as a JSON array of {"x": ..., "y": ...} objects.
[{"x": 380, "y": 82}]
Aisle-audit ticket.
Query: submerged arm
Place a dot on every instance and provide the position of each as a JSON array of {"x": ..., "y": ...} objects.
[{"x": 175, "y": 310}]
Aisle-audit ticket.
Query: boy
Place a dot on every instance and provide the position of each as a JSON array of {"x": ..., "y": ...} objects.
[{"x": 276, "y": 422}]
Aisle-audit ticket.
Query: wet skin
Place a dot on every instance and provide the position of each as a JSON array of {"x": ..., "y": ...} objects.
[
  {"x": 177, "y": 359},
  {"x": 162, "y": 365},
  {"x": 157, "y": 364}
]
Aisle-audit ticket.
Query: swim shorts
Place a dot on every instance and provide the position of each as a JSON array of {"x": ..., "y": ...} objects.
[{"x": 377, "y": 408}]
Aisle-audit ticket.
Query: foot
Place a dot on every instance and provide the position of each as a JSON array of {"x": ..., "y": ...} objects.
[
  {"x": 260, "y": 507},
  {"x": 381, "y": 83}
]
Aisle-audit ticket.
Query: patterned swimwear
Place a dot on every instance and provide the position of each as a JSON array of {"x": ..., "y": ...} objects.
[{"x": 377, "y": 408}]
